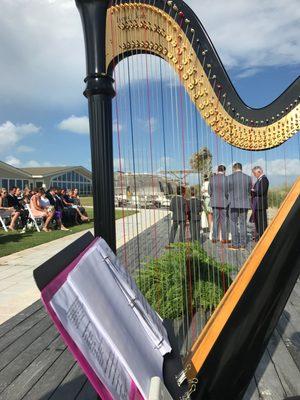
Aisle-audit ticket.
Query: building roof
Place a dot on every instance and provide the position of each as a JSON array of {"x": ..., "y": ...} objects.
[
  {"x": 46, "y": 171},
  {"x": 9, "y": 167}
]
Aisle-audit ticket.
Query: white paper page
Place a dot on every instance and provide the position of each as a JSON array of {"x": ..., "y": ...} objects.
[
  {"x": 95, "y": 345},
  {"x": 107, "y": 307},
  {"x": 151, "y": 315}
]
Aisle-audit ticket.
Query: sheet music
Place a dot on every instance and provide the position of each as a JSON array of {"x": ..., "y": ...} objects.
[
  {"x": 150, "y": 320},
  {"x": 102, "y": 306},
  {"x": 93, "y": 342}
]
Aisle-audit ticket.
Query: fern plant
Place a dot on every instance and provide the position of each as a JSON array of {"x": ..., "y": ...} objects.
[{"x": 186, "y": 274}]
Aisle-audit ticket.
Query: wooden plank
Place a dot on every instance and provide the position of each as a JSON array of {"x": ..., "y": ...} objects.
[
  {"x": 51, "y": 379},
  {"x": 286, "y": 368},
  {"x": 268, "y": 382},
  {"x": 295, "y": 300},
  {"x": 292, "y": 314},
  {"x": 71, "y": 386},
  {"x": 252, "y": 391},
  {"x": 25, "y": 358},
  {"x": 20, "y": 317},
  {"x": 31, "y": 375},
  {"x": 21, "y": 329},
  {"x": 12, "y": 351},
  {"x": 291, "y": 337},
  {"x": 87, "y": 392}
]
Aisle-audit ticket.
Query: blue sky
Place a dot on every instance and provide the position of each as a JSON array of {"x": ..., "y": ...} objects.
[{"x": 43, "y": 115}]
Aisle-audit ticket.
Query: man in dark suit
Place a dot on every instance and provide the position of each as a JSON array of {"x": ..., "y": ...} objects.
[
  {"x": 260, "y": 201},
  {"x": 195, "y": 215},
  {"x": 57, "y": 203},
  {"x": 218, "y": 191},
  {"x": 179, "y": 209},
  {"x": 239, "y": 192}
]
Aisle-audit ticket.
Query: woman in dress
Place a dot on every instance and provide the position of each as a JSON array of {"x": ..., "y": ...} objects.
[
  {"x": 206, "y": 204},
  {"x": 40, "y": 208}
]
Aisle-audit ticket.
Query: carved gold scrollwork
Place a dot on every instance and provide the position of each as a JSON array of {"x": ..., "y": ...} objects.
[{"x": 167, "y": 39}]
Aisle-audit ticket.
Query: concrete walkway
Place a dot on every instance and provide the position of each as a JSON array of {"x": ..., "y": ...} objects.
[{"x": 17, "y": 287}]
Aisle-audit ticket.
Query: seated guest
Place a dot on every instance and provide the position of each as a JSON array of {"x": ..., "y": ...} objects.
[
  {"x": 74, "y": 195},
  {"x": 26, "y": 196},
  {"x": 69, "y": 214},
  {"x": 6, "y": 211},
  {"x": 67, "y": 200},
  {"x": 40, "y": 208},
  {"x": 195, "y": 215},
  {"x": 260, "y": 201},
  {"x": 13, "y": 201},
  {"x": 57, "y": 203}
]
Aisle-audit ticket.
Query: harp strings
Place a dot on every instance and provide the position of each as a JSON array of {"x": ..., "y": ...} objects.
[{"x": 157, "y": 130}]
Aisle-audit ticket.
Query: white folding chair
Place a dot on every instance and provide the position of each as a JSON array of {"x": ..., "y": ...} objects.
[
  {"x": 32, "y": 217},
  {"x": 3, "y": 224}
]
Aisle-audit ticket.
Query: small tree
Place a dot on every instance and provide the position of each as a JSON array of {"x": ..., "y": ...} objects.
[{"x": 201, "y": 161}]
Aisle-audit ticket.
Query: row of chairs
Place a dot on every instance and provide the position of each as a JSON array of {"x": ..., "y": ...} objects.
[{"x": 36, "y": 222}]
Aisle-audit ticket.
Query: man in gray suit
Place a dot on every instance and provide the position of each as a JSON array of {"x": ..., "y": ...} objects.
[
  {"x": 218, "y": 192},
  {"x": 195, "y": 215},
  {"x": 179, "y": 209},
  {"x": 239, "y": 194}
]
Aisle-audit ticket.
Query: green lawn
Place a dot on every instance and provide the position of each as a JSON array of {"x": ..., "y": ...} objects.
[
  {"x": 87, "y": 201},
  {"x": 12, "y": 242}
]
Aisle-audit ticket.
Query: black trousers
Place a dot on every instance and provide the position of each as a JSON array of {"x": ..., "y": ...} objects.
[{"x": 261, "y": 221}]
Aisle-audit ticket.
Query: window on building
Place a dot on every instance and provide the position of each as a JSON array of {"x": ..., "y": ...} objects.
[
  {"x": 25, "y": 184},
  {"x": 39, "y": 184},
  {"x": 12, "y": 183},
  {"x": 19, "y": 183},
  {"x": 5, "y": 183}
]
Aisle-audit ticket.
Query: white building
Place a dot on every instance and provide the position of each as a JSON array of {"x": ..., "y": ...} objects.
[{"x": 61, "y": 177}]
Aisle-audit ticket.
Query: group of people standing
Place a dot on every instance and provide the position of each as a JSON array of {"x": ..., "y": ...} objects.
[{"x": 226, "y": 200}]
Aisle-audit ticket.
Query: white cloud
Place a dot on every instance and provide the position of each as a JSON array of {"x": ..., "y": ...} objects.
[
  {"x": 16, "y": 162},
  {"x": 75, "y": 124},
  {"x": 246, "y": 73},
  {"x": 11, "y": 134},
  {"x": 247, "y": 34},
  {"x": 11, "y": 160},
  {"x": 119, "y": 162},
  {"x": 255, "y": 33},
  {"x": 46, "y": 38},
  {"x": 34, "y": 163},
  {"x": 117, "y": 127},
  {"x": 24, "y": 149},
  {"x": 146, "y": 124},
  {"x": 278, "y": 167}
]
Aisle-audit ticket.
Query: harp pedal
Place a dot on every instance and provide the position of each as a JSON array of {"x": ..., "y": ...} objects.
[{"x": 158, "y": 391}]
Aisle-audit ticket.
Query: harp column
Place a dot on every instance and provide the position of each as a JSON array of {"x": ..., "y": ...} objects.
[{"x": 99, "y": 92}]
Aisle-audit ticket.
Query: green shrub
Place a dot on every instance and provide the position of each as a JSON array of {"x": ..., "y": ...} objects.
[
  {"x": 277, "y": 195},
  {"x": 165, "y": 281}
]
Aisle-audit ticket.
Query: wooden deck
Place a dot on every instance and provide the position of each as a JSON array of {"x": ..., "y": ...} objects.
[{"x": 35, "y": 364}]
